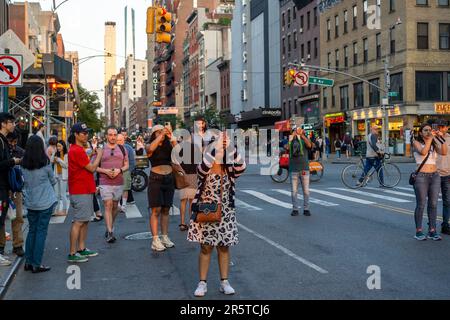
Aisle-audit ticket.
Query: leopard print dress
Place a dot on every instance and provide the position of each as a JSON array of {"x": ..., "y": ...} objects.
[{"x": 224, "y": 233}]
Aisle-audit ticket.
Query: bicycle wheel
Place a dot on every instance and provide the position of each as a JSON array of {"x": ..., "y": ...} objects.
[
  {"x": 316, "y": 170},
  {"x": 350, "y": 176},
  {"x": 389, "y": 175},
  {"x": 139, "y": 181},
  {"x": 279, "y": 175}
]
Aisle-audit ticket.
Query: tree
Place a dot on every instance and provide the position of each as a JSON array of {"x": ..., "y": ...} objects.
[{"x": 89, "y": 105}]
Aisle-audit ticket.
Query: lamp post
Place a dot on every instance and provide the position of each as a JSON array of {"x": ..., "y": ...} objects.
[{"x": 387, "y": 88}]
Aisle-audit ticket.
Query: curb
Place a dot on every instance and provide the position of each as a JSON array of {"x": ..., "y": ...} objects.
[{"x": 11, "y": 273}]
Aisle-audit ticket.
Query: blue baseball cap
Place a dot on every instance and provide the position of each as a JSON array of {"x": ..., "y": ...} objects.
[{"x": 80, "y": 127}]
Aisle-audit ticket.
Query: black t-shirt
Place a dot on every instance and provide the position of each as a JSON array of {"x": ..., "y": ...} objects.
[{"x": 162, "y": 155}]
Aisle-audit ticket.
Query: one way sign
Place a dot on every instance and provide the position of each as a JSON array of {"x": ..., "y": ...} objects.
[{"x": 11, "y": 71}]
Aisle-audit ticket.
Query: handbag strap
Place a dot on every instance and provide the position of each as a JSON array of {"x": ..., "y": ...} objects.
[{"x": 423, "y": 162}]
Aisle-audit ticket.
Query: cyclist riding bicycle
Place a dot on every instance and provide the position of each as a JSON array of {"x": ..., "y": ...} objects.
[{"x": 375, "y": 153}]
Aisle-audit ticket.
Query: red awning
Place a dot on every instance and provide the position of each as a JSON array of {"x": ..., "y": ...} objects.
[{"x": 283, "y": 126}]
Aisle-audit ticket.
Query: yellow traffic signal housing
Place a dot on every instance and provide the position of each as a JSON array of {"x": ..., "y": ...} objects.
[
  {"x": 151, "y": 20},
  {"x": 289, "y": 77},
  {"x": 163, "y": 38},
  {"x": 163, "y": 25},
  {"x": 38, "y": 60}
]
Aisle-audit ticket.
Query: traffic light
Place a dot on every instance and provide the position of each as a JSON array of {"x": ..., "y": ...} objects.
[
  {"x": 151, "y": 20},
  {"x": 53, "y": 89},
  {"x": 289, "y": 77},
  {"x": 38, "y": 60},
  {"x": 163, "y": 26}
]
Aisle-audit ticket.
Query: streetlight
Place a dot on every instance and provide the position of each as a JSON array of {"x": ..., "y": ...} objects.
[{"x": 387, "y": 87}]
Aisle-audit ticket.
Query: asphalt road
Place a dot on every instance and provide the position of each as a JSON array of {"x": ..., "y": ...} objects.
[{"x": 325, "y": 256}]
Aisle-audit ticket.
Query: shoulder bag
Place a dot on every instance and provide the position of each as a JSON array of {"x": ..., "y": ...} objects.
[
  {"x": 179, "y": 176},
  {"x": 208, "y": 212},
  {"x": 413, "y": 176}
]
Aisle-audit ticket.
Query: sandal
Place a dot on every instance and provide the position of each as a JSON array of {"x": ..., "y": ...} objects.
[
  {"x": 98, "y": 219},
  {"x": 183, "y": 227}
]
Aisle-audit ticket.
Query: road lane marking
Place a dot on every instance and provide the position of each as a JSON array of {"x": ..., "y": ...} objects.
[
  {"x": 284, "y": 250},
  {"x": 372, "y": 195},
  {"x": 268, "y": 199},
  {"x": 57, "y": 219},
  {"x": 246, "y": 206},
  {"x": 312, "y": 200},
  {"x": 133, "y": 212},
  {"x": 401, "y": 210},
  {"x": 405, "y": 188},
  {"x": 340, "y": 196},
  {"x": 392, "y": 192}
]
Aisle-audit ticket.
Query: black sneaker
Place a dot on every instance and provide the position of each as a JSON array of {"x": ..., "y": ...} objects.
[
  {"x": 106, "y": 234},
  {"x": 294, "y": 213},
  {"x": 307, "y": 213},
  {"x": 110, "y": 238},
  {"x": 19, "y": 251},
  {"x": 2, "y": 250},
  {"x": 445, "y": 230}
]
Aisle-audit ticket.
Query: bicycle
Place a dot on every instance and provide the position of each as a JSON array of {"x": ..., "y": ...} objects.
[
  {"x": 139, "y": 179},
  {"x": 388, "y": 174},
  {"x": 280, "y": 172}
]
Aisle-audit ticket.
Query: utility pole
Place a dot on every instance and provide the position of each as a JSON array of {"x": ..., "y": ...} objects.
[{"x": 387, "y": 87}]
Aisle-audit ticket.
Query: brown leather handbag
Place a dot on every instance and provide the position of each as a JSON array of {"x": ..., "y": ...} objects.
[
  {"x": 209, "y": 212},
  {"x": 179, "y": 177}
]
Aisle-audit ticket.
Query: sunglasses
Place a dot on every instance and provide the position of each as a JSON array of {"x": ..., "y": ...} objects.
[{"x": 112, "y": 152}]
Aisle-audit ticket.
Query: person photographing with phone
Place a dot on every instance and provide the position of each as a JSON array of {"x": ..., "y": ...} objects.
[
  {"x": 428, "y": 144},
  {"x": 299, "y": 168},
  {"x": 161, "y": 186}
]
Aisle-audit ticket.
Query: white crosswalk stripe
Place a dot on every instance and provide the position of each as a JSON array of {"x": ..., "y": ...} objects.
[
  {"x": 133, "y": 212},
  {"x": 392, "y": 192},
  {"x": 312, "y": 200},
  {"x": 372, "y": 195},
  {"x": 341, "y": 197},
  {"x": 268, "y": 199},
  {"x": 405, "y": 188},
  {"x": 243, "y": 205}
]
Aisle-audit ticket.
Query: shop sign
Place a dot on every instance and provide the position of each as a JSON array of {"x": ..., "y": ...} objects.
[
  {"x": 442, "y": 108},
  {"x": 334, "y": 118},
  {"x": 361, "y": 126},
  {"x": 271, "y": 113}
]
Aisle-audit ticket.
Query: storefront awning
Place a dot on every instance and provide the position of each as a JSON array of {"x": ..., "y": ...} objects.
[{"x": 283, "y": 126}]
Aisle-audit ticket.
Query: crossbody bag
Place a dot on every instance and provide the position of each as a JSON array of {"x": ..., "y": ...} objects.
[
  {"x": 413, "y": 176},
  {"x": 208, "y": 212}
]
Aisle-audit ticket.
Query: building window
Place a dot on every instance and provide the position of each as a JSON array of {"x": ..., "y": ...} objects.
[
  {"x": 365, "y": 8},
  {"x": 309, "y": 49},
  {"x": 329, "y": 60},
  {"x": 346, "y": 56},
  {"x": 328, "y": 29},
  {"x": 302, "y": 51},
  {"x": 358, "y": 90},
  {"x": 302, "y": 21},
  {"x": 333, "y": 98},
  {"x": 397, "y": 86},
  {"x": 289, "y": 44},
  {"x": 294, "y": 13},
  {"x": 422, "y": 2},
  {"x": 345, "y": 21},
  {"x": 444, "y": 36},
  {"x": 316, "y": 17},
  {"x": 336, "y": 53},
  {"x": 355, "y": 53},
  {"x": 344, "y": 98},
  {"x": 295, "y": 40},
  {"x": 444, "y": 3},
  {"x": 366, "y": 50},
  {"x": 316, "y": 47},
  {"x": 289, "y": 18},
  {"x": 308, "y": 19},
  {"x": 391, "y": 5},
  {"x": 374, "y": 93},
  {"x": 422, "y": 35},
  {"x": 378, "y": 44},
  {"x": 429, "y": 86},
  {"x": 392, "y": 40},
  {"x": 325, "y": 99},
  {"x": 283, "y": 46},
  {"x": 336, "y": 26},
  {"x": 283, "y": 20},
  {"x": 355, "y": 17}
]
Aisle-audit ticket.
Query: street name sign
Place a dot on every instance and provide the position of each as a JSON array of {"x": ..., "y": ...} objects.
[
  {"x": 11, "y": 71},
  {"x": 321, "y": 81},
  {"x": 393, "y": 94}
]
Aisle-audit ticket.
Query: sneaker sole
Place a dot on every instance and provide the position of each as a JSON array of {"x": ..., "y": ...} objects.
[
  {"x": 158, "y": 250},
  {"x": 223, "y": 291},
  {"x": 420, "y": 239},
  {"x": 437, "y": 239},
  {"x": 78, "y": 261},
  {"x": 91, "y": 255}
]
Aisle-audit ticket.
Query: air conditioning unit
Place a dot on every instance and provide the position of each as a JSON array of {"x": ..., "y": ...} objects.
[
  {"x": 301, "y": 30},
  {"x": 309, "y": 56}
]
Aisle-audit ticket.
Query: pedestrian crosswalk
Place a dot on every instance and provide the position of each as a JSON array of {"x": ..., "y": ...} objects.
[{"x": 257, "y": 200}]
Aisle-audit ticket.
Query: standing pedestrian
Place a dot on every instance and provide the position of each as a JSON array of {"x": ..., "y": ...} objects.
[
  {"x": 161, "y": 187},
  {"x": 114, "y": 163},
  {"x": 127, "y": 174},
  {"x": 7, "y": 125},
  {"x": 60, "y": 160},
  {"x": 51, "y": 150},
  {"x": 41, "y": 133},
  {"x": 348, "y": 143},
  {"x": 81, "y": 191},
  {"x": 299, "y": 168},
  {"x": 337, "y": 146},
  {"x": 217, "y": 181},
  {"x": 443, "y": 164},
  {"x": 374, "y": 153},
  {"x": 128, "y": 143},
  {"x": 40, "y": 200},
  {"x": 17, "y": 223},
  {"x": 427, "y": 184},
  {"x": 140, "y": 146}
]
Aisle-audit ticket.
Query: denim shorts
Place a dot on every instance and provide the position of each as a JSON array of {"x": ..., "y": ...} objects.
[
  {"x": 82, "y": 207},
  {"x": 161, "y": 189}
]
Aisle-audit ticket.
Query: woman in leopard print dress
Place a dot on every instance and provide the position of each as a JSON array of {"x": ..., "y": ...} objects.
[{"x": 221, "y": 235}]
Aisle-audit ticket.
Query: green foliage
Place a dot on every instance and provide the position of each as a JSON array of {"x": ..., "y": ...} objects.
[
  {"x": 89, "y": 106},
  {"x": 213, "y": 118}
]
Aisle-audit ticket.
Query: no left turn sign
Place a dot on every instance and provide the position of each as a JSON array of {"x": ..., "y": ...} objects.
[
  {"x": 302, "y": 78},
  {"x": 11, "y": 70},
  {"x": 38, "y": 102}
]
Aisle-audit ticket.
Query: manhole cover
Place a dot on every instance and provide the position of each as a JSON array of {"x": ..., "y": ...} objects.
[{"x": 140, "y": 236}]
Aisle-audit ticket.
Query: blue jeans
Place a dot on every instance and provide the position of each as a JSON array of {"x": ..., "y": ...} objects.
[
  {"x": 37, "y": 233},
  {"x": 445, "y": 189},
  {"x": 303, "y": 176},
  {"x": 372, "y": 162},
  {"x": 427, "y": 186}
]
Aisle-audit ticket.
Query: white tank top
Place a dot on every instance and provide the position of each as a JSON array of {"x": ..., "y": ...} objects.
[{"x": 431, "y": 159}]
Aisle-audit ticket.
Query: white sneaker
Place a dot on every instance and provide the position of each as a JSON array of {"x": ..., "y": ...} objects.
[
  {"x": 166, "y": 241},
  {"x": 226, "y": 288},
  {"x": 4, "y": 261},
  {"x": 201, "y": 289},
  {"x": 123, "y": 208},
  {"x": 157, "y": 245}
]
